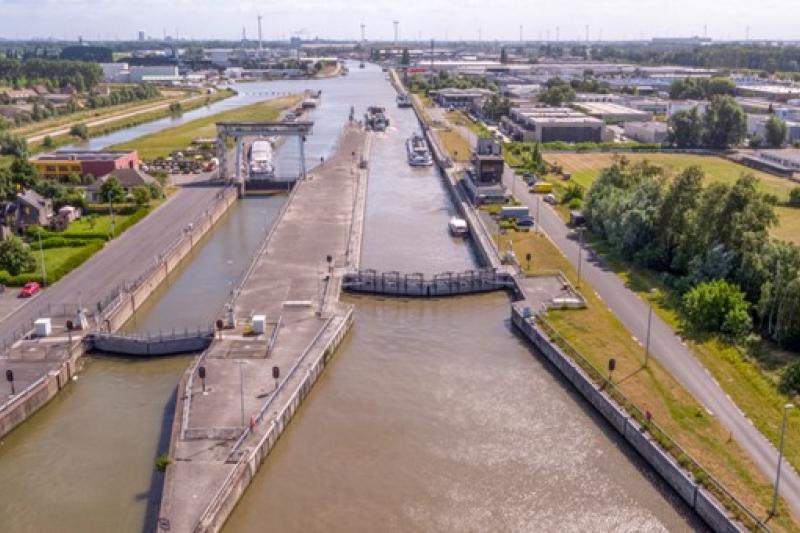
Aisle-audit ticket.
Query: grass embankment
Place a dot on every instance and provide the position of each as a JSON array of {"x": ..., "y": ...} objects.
[
  {"x": 163, "y": 143},
  {"x": 597, "y": 334},
  {"x": 129, "y": 122},
  {"x": 586, "y": 167},
  {"x": 456, "y": 146},
  {"x": 462, "y": 119},
  {"x": 86, "y": 115}
]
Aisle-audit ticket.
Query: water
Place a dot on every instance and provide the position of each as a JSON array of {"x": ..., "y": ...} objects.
[{"x": 433, "y": 415}]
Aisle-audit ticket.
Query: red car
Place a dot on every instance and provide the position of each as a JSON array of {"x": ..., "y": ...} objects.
[{"x": 29, "y": 289}]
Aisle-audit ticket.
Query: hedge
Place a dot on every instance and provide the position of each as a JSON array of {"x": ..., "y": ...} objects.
[
  {"x": 91, "y": 248},
  {"x": 62, "y": 242},
  {"x": 119, "y": 209}
]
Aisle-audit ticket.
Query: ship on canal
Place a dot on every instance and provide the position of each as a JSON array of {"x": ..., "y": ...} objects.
[
  {"x": 418, "y": 153},
  {"x": 375, "y": 119},
  {"x": 261, "y": 166}
]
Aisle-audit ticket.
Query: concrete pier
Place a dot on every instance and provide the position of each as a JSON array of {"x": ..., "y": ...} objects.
[{"x": 227, "y": 423}]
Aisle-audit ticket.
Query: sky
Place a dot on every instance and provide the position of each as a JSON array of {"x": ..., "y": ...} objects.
[{"x": 438, "y": 19}]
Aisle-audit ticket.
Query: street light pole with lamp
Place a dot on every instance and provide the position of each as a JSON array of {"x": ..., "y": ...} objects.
[{"x": 774, "y": 509}]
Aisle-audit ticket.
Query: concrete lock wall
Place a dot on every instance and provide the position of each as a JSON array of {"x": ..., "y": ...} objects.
[
  {"x": 245, "y": 470},
  {"x": 41, "y": 391},
  {"x": 703, "y": 503}
]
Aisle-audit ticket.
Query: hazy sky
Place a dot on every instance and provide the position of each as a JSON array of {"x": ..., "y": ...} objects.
[{"x": 496, "y": 19}]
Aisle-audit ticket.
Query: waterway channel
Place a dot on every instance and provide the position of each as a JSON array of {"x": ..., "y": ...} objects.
[{"x": 433, "y": 416}]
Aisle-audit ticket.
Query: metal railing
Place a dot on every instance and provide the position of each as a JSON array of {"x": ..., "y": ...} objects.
[{"x": 704, "y": 478}]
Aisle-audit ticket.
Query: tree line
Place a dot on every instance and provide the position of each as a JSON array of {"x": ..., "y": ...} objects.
[
  {"x": 20, "y": 73},
  {"x": 710, "y": 243},
  {"x": 722, "y": 125}
]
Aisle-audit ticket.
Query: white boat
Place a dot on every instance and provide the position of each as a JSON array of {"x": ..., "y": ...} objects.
[
  {"x": 261, "y": 166},
  {"x": 458, "y": 227},
  {"x": 418, "y": 153}
]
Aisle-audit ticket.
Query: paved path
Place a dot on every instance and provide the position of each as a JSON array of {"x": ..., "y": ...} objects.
[{"x": 665, "y": 345}]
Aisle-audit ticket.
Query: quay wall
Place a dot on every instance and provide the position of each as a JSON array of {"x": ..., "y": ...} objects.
[
  {"x": 696, "y": 497},
  {"x": 36, "y": 395}
]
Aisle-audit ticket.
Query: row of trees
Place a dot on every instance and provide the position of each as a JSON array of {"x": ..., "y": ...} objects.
[
  {"x": 695, "y": 235},
  {"x": 752, "y": 56},
  {"x": 443, "y": 80},
  {"x": 18, "y": 73},
  {"x": 700, "y": 88},
  {"x": 142, "y": 91},
  {"x": 723, "y": 125}
]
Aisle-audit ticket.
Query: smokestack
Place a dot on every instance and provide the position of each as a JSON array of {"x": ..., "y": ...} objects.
[
  {"x": 260, "y": 45},
  {"x": 396, "y": 25}
]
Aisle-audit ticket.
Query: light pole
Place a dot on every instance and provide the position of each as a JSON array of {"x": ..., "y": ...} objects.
[
  {"x": 580, "y": 255},
  {"x": 649, "y": 323},
  {"x": 41, "y": 254},
  {"x": 537, "y": 214},
  {"x": 780, "y": 460}
]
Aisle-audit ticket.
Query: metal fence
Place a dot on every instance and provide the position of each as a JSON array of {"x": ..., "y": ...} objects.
[{"x": 737, "y": 509}]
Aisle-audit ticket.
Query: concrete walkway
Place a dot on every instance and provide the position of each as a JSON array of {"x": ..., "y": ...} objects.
[{"x": 293, "y": 284}]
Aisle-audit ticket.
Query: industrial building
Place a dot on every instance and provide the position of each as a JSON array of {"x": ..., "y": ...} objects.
[
  {"x": 461, "y": 98},
  {"x": 647, "y": 132},
  {"x": 784, "y": 162},
  {"x": 484, "y": 181},
  {"x": 547, "y": 124},
  {"x": 756, "y": 127},
  {"x": 65, "y": 163},
  {"x": 611, "y": 112}
]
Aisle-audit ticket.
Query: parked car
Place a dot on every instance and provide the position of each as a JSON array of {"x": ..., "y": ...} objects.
[
  {"x": 525, "y": 222},
  {"x": 29, "y": 289},
  {"x": 550, "y": 198}
]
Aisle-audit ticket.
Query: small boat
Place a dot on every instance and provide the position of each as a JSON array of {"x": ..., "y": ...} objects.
[
  {"x": 361, "y": 65},
  {"x": 403, "y": 100},
  {"x": 376, "y": 119},
  {"x": 458, "y": 227},
  {"x": 418, "y": 153}
]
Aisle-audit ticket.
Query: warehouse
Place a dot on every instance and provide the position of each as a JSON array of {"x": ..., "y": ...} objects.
[
  {"x": 547, "y": 124},
  {"x": 611, "y": 112}
]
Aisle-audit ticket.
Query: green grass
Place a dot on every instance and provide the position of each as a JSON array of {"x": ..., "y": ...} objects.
[
  {"x": 163, "y": 143},
  {"x": 586, "y": 167},
  {"x": 5, "y": 161},
  {"x": 596, "y": 333}
]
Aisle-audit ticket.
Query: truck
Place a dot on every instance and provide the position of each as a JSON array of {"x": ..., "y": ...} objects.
[{"x": 514, "y": 211}]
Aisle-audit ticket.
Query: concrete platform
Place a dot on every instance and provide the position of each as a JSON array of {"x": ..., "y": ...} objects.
[{"x": 220, "y": 437}]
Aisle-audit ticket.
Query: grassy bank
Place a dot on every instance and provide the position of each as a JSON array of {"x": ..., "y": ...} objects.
[
  {"x": 129, "y": 122},
  {"x": 597, "y": 334},
  {"x": 586, "y": 167},
  {"x": 163, "y": 143},
  {"x": 86, "y": 115}
]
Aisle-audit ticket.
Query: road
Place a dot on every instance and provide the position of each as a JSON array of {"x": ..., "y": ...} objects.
[
  {"x": 665, "y": 345},
  {"x": 122, "y": 259}
]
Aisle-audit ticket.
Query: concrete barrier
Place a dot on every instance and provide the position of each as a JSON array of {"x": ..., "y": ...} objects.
[{"x": 696, "y": 497}]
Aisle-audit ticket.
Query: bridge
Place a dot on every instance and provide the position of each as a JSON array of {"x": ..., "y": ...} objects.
[
  {"x": 418, "y": 285},
  {"x": 186, "y": 341}
]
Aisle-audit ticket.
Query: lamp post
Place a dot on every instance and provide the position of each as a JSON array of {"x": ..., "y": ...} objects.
[
  {"x": 774, "y": 509},
  {"x": 580, "y": 255},
  {"x": 649, "y": 323}
]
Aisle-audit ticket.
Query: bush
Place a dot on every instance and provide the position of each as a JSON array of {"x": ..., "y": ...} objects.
[
  {"x": 790, "y": 380},
  {"x": 717, "y": 307},
  {"x": 794, "y": 197},
  {"x": 162, "y": 462},
  {"x": 15, "y": 257},
  {"x": 79, "y": 130},
  {"x": 133, "y": 219}
]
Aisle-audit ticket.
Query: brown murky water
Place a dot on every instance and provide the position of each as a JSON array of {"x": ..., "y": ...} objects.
[{"x": 435, "y": 416}]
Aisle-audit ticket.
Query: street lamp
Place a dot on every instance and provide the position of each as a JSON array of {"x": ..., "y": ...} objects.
[
  {"x": 649, "y": 323},
  {"x": 780, "y": 460}
]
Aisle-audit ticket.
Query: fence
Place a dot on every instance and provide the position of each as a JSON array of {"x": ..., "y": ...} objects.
[{"x": 701, "y": 476}]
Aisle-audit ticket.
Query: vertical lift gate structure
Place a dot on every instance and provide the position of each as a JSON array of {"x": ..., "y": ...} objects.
[{"x": 240, "y": 130}]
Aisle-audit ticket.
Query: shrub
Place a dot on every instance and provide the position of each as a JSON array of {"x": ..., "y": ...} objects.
[
  {"x": 162, "y": 462},
  {"x": 794, "y": 197},
  {"x": 790, "y": 380},
  {"x": 717, "y": 307},
  {"x": 15, "y": 257}
]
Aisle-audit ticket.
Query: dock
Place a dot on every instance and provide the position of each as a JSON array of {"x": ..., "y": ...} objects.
[{"x": 284, "y": 324}]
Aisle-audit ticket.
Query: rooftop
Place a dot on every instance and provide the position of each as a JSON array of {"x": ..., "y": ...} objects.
[{"x": 82, "y": 155}]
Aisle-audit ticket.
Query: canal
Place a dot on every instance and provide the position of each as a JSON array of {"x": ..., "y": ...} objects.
[{"x": 433, "y": 415}]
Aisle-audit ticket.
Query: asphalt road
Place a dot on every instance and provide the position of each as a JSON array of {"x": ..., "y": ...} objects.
[
  {"x": 665, "y": 345},
  {"x": 122, "y": 259}
]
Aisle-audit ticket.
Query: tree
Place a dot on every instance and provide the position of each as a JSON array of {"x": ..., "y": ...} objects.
[
  {"x": 15, "y": 257},
  {"x": 557, "y": 95},
  {"x": 111, "y": 191},
  {"x": 79, "y": 130},
  {"x": 47, "y": 142},
  {"x": 23, "y": 173},
  {"x": 794, "y": 197},
  {"x": 776, "y": 131},
  {"x": 141, "y": 195},
  {"x": 725, "y": 123},
  {"x": 717, "y": 307},
  {"x": 685, "y": 129}
]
